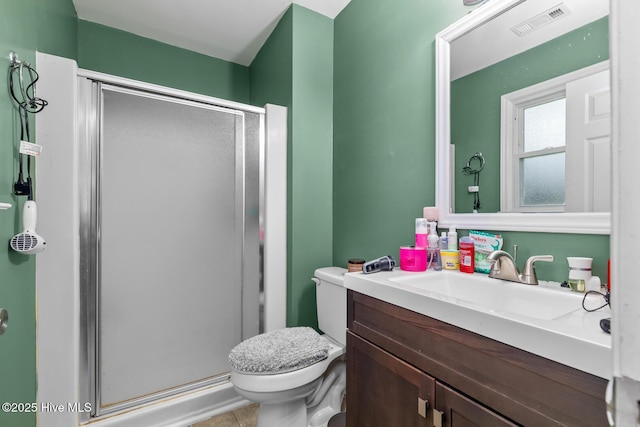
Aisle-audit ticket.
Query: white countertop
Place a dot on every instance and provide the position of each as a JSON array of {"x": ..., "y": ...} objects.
[{"x": 573, "y": 338}]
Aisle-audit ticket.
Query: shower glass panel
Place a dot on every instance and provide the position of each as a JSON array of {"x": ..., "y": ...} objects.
[{"x": 176, "y": 264}]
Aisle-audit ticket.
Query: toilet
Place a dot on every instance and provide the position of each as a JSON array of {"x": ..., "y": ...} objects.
[{"x": 297, "y": 375}]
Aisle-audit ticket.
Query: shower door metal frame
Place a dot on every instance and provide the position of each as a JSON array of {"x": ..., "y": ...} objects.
[{"x": 89, "y": 158}]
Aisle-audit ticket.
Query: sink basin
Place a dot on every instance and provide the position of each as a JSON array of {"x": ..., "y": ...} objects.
[
  {"x": 496, "y": 296},
  {"x": 546, "y": 320}
]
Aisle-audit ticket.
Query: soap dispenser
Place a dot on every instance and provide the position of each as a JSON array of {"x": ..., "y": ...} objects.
[{"x": 433, "y": 250}]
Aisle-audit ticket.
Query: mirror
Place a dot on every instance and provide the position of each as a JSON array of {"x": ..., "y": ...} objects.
[{"x": 499, "y": 69}]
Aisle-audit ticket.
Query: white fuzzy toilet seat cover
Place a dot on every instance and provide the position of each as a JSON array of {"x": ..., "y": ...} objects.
[{"x": 279, "y": 351}]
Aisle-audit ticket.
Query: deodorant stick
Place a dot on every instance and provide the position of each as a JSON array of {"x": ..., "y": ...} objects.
[{"x": 467, "y": 254}]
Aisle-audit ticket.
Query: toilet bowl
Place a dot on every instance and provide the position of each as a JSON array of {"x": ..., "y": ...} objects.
[{"x": 297, "y": 375}]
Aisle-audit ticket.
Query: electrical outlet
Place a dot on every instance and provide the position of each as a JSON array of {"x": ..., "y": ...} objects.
[{"x": 474, "y": 188}]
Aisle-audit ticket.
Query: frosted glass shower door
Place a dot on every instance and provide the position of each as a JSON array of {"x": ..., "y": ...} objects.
[{"x": 171, "y": 223}]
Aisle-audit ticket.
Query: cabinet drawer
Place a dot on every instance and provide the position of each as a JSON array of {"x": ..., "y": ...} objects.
[
  {"x": 457, "y": 410},
  {"x": 526, "y": 388}
]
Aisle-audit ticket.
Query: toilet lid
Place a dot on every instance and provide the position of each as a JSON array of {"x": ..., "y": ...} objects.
[{"x": 279, "y": 351}]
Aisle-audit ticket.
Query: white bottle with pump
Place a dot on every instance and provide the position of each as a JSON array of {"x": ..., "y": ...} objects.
[
  {"x": 422, "y": 231},
  {"x": 453, "y": 239}
]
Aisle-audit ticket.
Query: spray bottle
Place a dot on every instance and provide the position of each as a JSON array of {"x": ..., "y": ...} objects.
[{"x": 430, "y": 213}]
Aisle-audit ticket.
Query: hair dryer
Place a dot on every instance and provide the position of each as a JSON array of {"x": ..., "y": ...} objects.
[
  {"x": 385, "y": 263},
  {"x": 28, "y": 242}
]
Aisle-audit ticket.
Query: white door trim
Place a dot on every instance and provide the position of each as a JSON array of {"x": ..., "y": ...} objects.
[{"x": 625, "y": 241}]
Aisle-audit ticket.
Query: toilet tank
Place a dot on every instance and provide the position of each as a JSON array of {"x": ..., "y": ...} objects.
[{"x": 331, "y": 300}]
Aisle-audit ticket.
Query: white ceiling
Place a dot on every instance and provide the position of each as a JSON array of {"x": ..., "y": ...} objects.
[
  {"x": 494, "y": 41},
  {"x": 233, "y": 30}
]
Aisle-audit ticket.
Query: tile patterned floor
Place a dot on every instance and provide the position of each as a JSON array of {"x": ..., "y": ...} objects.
[{"x": 247, "y": 416}]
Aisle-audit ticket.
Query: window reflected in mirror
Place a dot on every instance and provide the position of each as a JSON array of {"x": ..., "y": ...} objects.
[{"x": 540, "y": 157}]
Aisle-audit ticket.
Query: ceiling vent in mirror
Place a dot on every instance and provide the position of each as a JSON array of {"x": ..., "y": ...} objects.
[{"x": 540, "y": 20}]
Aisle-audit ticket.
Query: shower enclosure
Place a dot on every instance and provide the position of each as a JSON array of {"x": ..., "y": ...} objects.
[
  {"x": 154, "y": 202},
  {"x": 170, "y": 242}
]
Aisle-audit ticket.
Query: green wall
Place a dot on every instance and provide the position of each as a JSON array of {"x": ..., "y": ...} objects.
[
  {"x": 475, "y": 100},
  {"x": 361, "y": 99},
  {"x": 271, "y": 72},
  {"x": 123, "y": 54},
  {"x": 384, "y": 122},
  {"x": 295, "y": 69},
  {"x": 384, "y": 136},
  {"x": 560, "y": 246},
  {"x": 25, "y": 26}
]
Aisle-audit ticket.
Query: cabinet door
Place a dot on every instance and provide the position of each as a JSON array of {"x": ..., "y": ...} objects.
[
  {"x": 453, "y": 409},
  {"x": 384, "y": 391}
]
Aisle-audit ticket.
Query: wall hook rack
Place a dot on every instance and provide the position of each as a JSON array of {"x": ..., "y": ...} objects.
[
  {"x": 14, "y": 61},
  {"x": 13, "y": 58}
]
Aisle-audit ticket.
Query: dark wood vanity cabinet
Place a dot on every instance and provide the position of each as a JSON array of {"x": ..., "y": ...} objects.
[{"x": 405, "y": 369}]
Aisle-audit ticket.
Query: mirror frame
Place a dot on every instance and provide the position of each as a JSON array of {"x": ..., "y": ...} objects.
[{"x": 561, "y": 222}]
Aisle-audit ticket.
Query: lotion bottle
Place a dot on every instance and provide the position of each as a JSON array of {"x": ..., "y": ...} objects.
[
  {"x": 444, "y": 242},
  {"x": 453, "y": 239}
]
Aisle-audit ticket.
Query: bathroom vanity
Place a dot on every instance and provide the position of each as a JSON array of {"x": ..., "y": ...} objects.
[{"x": 418, "y": 354}]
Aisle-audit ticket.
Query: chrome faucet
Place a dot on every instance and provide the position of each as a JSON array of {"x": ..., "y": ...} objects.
[{"x": 504, "y": 267}]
